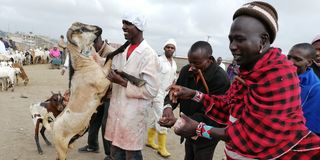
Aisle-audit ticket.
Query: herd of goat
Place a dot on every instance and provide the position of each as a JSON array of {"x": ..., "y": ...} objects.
[{"x": 11, "y": 65}]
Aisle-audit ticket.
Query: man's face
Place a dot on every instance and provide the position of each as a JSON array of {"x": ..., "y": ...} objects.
[
  {"x": 299, "y": 58},
  {"x": 244, "y": 40},
  {"x": 316, "y": 45},
  {"x": 198, "y": 60},
  {"x": 129, "y": 29},
  {"x": 169, "y": 50},
  {"x": 219, "y": 60}
]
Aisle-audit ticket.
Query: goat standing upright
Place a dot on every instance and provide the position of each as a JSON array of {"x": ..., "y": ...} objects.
[{"x": 88, "y": 85}]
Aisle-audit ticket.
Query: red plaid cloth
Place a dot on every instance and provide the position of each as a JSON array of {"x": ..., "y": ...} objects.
[{"x": 269, "y": 119}]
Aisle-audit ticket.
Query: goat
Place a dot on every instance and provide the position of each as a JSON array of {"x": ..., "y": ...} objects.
[
  {"x": 88, "y": 85},
  {"x": 22, "y": 73},
  {"x": 44, "y": 113},
  {"x": 8, "y": 73}
]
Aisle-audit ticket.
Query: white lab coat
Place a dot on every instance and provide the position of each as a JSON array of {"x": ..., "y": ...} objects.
[{"x": 127, "y": 123}]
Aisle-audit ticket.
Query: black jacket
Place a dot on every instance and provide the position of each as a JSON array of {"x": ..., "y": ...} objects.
[{"x": 218, "y": 83}]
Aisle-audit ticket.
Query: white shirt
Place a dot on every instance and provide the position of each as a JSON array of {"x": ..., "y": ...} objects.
[
  {"x": 223, "y": 66},
  {"x": 167, "y": 73},
  {"x": 2, "y": 48}
]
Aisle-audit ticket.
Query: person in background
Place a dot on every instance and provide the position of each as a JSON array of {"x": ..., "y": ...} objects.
[
  {"x": 6, "y": 44},
  {"x": 167, "y": 75},
  {"x": 62, "y": 47},
  {"x": 127, "y": 124},
  {"x": 2, "y": 48},
  {"x": 263, "y": 106},
  {"x": 203, "y": 74},
  {"x": 219, "y": 62},
  {"x": 232, "y": 70},
  {"x": 302, "y": 55},
  {"x": 55, "y": 57},
  {"x": 316, "y": 61},
  {"x": 12, "y": 44}
]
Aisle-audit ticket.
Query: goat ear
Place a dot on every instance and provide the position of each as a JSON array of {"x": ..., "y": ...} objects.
[
  {"x": 59, "y": 92},
  {"x": 52, "y": 93}
]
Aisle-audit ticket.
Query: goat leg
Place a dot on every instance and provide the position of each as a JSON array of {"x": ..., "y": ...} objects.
[
  {"x": 36, "y": 137},
  {"x": 134, "y": 80},
  {"x": 43, "y": 129}
]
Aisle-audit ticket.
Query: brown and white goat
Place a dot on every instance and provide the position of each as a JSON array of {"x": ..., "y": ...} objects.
[
  {"x": 88, "y": 85},
  {"x": 44, "y": 113}
]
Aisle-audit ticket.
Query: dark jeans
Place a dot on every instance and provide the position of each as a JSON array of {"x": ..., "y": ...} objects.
[
  {"x": 97, "y": 120},
  {"x": 63, "y": 57},
  {"x": 120, "y": 154},
  {"x": 201, "y": 149}
]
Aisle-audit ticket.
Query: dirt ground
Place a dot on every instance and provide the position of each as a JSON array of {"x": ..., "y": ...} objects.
[{"x": 17, "y": 129}]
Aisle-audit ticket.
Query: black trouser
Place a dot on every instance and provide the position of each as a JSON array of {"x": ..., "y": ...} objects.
[
  {"x": 97, "y": 120},
  {"x": 106, "y": 143},
  {"x": 201, "y": 149},
  {"x": 121, "y": 154}
]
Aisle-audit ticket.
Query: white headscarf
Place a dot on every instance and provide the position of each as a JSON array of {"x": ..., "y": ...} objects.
[
  {"x": 136, "y": 18},
  {"x": 171, "y": 41}
]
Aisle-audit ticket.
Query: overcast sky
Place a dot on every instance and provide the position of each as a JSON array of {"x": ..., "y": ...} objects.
[{"x": 187, "y": 21}]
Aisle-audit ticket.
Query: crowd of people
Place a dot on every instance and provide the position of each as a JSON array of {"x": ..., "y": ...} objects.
[
  {"x": 6, "y": 45},
  {"x": 263, "y": 106}
]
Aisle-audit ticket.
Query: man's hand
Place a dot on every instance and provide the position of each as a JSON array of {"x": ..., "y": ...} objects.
[
  {"x": 116, "y": 78},
  {"x": 167, "y": 119},
  {"x": 185, "y": 126},
  {"x": 180, "y": 92}
]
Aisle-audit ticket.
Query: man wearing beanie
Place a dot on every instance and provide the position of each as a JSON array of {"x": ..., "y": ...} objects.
[
  {"x": 316, "y": 61},
  {"x": 262, "y": 107},
  {"x": 203, "y": 74},
  {"x": 127, "y": 124},
  {"x": 167, "y": 75}
]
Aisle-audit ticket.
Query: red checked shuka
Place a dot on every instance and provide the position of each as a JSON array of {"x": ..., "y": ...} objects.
[{"x": 264, "y": 114}]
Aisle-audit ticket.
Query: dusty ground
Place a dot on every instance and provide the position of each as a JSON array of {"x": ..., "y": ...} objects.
[{"x": 17, "y": 129}]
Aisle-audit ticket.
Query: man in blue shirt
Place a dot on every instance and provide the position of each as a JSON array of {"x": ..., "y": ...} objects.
[{"x": 301, "y": 55}]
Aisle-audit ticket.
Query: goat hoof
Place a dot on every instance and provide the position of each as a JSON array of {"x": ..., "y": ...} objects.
[
  {"x": 49, "y": 144},
  {"x": 40, "y": 152}
]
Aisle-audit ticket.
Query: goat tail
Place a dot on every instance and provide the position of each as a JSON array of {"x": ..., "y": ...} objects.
[{"x": 117, "y": 51}]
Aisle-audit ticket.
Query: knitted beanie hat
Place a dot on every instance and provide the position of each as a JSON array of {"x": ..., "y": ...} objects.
[{"x": 262, "y": 11}]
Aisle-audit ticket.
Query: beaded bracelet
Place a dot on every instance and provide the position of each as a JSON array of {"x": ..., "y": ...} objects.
[
  {"x": 204, "y": 130},
  {"x": 197, "y": 97}
]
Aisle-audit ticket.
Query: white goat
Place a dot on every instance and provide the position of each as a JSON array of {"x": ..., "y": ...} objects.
[{"x": 9, "y": 73}]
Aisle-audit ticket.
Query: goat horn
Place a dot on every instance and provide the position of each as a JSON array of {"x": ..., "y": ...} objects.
[{"x": 69, "y": 37}]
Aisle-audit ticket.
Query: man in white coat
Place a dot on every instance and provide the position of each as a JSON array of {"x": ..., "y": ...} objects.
[
  {"x": 167, "y": 75},
  {"x": 127, "y": 124}
]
